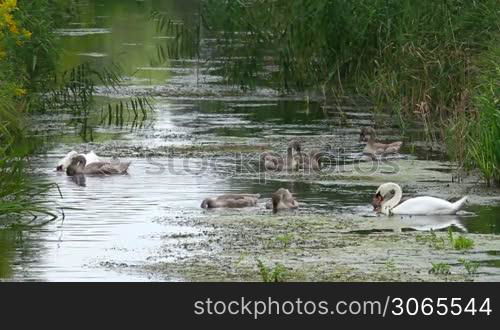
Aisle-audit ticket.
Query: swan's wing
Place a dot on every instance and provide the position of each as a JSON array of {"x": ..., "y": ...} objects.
[
  {"x": 106, "y": 168},
  {"x": 239, "y": 196},
  {"x": 96, "y": 168},
  {"x": 242, "y": 202},
  {"x": 424, "y": 205},
  {"x": 397, "y": 144},
  {"x": 91, "y": 157},
  {"x": 393, "y": 148}
]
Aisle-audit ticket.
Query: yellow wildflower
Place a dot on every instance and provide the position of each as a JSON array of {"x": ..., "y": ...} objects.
[{"x": 10, "y": 4}]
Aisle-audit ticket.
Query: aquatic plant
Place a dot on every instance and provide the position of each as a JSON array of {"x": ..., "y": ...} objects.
[
  {"x": 184, "y": 38},
  {"x": 275, "y": 274},
  {"x": 390, "y": 266},
  {"x": 432, "y": 240},
  {"x": 470, "y": 266},
  {"x": 285, "y": 240},
  {"x": 483, "y": 134},
  {"x": 461, "y": 242},
  {"x": 440, "y": 269}
]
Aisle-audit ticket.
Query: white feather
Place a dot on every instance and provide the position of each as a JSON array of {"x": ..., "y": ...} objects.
[
  {"x": 426, "y": 205},
  {"x": 90, "y": 157}
]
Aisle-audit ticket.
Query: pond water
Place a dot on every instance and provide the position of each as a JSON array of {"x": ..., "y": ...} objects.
[{"x": 190, "y": 147}]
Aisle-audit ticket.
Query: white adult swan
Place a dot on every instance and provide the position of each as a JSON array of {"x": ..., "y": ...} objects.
[
  {"x": 389, "y": 195},
  {"x": 90, "y": 158}
]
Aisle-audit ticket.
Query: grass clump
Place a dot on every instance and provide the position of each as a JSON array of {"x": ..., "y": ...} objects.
[
  {"x": 275, "y": 274},
  {"x": 432, "y": 240},
  {"x": 461, "y": 242},
  {"x": 440, "y": 269},
  {"x": 285, "y": 240},
  {"x": 470, "y": 266},
  {"x": 439, "y": 243}
]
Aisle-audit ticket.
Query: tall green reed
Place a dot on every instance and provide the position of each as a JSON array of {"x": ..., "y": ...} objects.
[{"x": 420, "y": 58}]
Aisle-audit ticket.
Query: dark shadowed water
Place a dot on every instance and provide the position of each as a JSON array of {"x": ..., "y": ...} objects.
[{"x": 114, "y": 225}]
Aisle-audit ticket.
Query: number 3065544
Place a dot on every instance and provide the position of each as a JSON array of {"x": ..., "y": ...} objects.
[{"x": 440, "y": 306}]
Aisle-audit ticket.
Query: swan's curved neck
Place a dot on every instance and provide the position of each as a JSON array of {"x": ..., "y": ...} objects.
[{"x": 391, "y": 203}]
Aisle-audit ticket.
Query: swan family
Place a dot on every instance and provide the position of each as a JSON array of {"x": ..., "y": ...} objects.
[
  {"x": 386, "y": 200},
  {"x": 280, "y": 200},
  {"x": 293, "y": 161}
]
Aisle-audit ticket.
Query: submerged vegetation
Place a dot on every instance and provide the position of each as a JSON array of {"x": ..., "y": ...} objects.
[
  {"x": 433, "y": 62},
  {"x": 439, "y": 243},
  {"x": 277, "y": 273}
]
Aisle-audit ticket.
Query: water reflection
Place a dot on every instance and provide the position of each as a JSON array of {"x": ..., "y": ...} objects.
[
  {"x": 7, "y": 248},
  {"x": 79, "y": 179},
  {"x": 120, "y": 31},
  {"x": 433, "y": 222}
]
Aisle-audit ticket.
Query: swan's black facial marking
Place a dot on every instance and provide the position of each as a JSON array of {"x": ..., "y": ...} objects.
[{"x": 59, "y": 168}]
